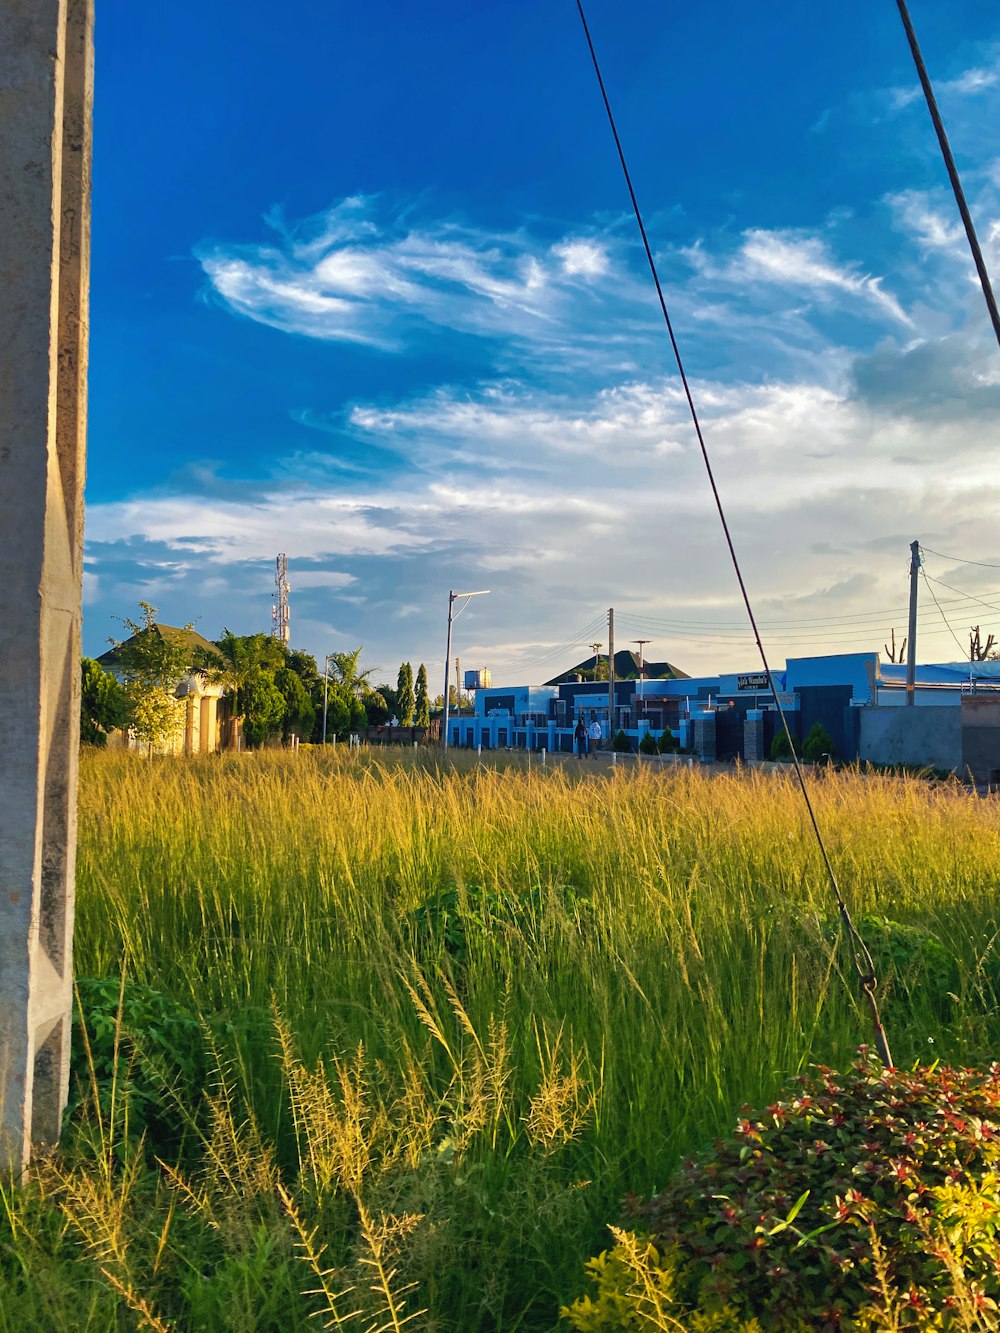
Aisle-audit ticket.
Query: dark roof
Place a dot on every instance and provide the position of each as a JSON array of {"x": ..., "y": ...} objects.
[
  {"x": 626, "y": 668},
  {"x": 172, "y": 634}
]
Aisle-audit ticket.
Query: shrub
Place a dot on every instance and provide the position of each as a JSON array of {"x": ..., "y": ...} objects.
[
  {"x": 621, "y": 742},
  {"x": 135, "y": 1048},
  {"x": 648, "y": 744},
  {"x": 780, "y": 749},
  {"x": 911, "y": 963},
  {"x": 818, "y": 742},
  {"x": 873, "y": 1180},
  {"x": 668, "y": 745},
  {"x": 637, "y": 1288}
]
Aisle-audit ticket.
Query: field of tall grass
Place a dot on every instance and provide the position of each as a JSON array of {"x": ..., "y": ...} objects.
[{"x": 377, "y": 1042}]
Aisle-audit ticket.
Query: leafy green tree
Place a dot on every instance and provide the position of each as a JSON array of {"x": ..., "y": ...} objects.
[
  {"x": 245, "y": 666},
  {"x": 405, "y": 701},
  {"x": 338, "y": 712},
  {"x": 103, "y": 705},
  {"x": 376, "y": 708},
  {"x": 423, "y": 709},
  {"x": 262, "y": 706},
  {"x": 153, "y": 664},
  {"x": 346, "y": 671},
  {"x": 300, "y": 711},
  {"x": 817, "y": 744}
]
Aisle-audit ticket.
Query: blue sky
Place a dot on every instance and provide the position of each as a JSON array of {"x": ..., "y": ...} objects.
[{"x": 365, "y": 290}]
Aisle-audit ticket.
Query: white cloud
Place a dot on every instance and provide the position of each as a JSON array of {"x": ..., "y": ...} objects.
[
  {"x": 350, "y": 275},
  {"x": 824, "y": 491},
  {"x": 797, "y": 261},
  {"x": 584, "y": 258}
]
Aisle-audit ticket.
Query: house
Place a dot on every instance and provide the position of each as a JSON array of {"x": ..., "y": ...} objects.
[
  {"x": 953, "y": 724},
  {"x": 204, "y": 722}
]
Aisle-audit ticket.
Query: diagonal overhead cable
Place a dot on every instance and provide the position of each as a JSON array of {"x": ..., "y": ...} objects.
[
  {"x": 949, "y": 162},
  {"x": 862, "y": 958}
]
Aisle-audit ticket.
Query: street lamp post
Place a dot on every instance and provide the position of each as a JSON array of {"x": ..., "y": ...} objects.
[
  {"x": 453, "y": 597},
  {"x": 326, "y": 689}
]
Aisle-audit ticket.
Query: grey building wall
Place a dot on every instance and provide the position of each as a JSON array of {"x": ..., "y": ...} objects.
[
  {"x": 981, "y": 737},
  {"x": 921, "y": 736}
]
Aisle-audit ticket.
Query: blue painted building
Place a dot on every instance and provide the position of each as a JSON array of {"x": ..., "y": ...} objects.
[{"x": 725, "y": 716}]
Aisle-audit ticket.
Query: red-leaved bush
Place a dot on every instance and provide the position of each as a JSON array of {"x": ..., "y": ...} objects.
[{"x": 856, "y": 1183}]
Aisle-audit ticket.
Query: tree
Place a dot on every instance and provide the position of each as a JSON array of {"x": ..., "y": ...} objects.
[
  {"x": 422, "y": 701},
  {"x": 344, "y": 669},
  {"x": 818, "y": 744},
  {"x": 376, "y": 708},
  {"x": 894, "y": 654},
  {"x": 262, "y": 706},
  {"x": 405, "y": 701},
  {"x": 103, "y": 705},
  {"x": 300, "y": 711},
  {"x": 979, "y": 651},
  {"x": 245, "y": 666},
  {"x": 153, "y": 665}
]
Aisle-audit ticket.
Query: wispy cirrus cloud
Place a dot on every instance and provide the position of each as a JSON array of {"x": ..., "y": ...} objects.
[
  {"x": 355, "y": 274},
  {"x": 797, "y": 262}
]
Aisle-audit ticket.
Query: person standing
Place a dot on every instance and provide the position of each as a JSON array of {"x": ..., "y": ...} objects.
[
  {"x": 594, "y": 732},
  {"x": 580, "y": 735}
]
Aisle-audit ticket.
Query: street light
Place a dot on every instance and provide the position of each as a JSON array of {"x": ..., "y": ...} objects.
[
  {"x": 454, "y": 597},
  {"x": 326, "y": 689}
]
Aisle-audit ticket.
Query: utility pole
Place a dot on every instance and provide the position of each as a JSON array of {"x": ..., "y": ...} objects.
[
  {"x": 453, "y": 597},
  {"x": 326, "y": 690},
  {"x": 458, "y": 685},
  {"x": 911, "y": 640},
  {"x": 642, "y": 663},
  {"x": 611, "y": 674}
]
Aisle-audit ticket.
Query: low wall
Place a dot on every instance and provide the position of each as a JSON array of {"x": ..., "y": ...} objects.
[{"x": 920, "y": 736}]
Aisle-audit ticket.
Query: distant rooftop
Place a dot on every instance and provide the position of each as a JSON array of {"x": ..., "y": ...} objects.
[
  {"x": 190, "y": 638},
  {"x": 626, "y": 668}
]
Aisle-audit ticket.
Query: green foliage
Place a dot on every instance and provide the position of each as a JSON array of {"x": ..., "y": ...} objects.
[
  {"x": 780, "y": 748},
  {"x": 405, "y": 701},
  {"x": 911, "y": 963},
  {"x": 668, "y": 742},
  {"x": 376, "y": 708},
  {"x": 346, "y": 671},
  {"x": 422, "y": 698},
  {"x": 637, "y": 1288},
  {"x": 836, "y": 1189},
  {"x": 648, "y": 744},
  {"x": 621, "y": 742},
  {"x": 138, "y": 1055},
  {"x": 818, "y": 742},
  {"x": 153, "y": 665},
  {"x": 338, "y": 712},
  {"x": 299, "y": 710},
  {"x": 103, "y": 706},
  {"x": 261, "y": 705},
  {"x": 457, "y": 915}
]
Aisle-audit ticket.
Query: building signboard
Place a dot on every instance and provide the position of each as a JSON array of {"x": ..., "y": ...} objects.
[{"x": 753, "y": 681}]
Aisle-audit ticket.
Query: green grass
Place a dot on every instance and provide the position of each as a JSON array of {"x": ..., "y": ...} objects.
[{"x": 460, "y": 1099}]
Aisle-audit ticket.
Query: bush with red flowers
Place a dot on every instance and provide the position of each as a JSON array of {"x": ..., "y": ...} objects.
[{"x": 872, "y": 1186}]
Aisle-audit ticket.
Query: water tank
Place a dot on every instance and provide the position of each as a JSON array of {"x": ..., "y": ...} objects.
[{"x": 480, "y": 679}]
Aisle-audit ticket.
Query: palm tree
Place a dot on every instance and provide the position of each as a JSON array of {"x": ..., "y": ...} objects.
[{"x": 345, "y": 671}]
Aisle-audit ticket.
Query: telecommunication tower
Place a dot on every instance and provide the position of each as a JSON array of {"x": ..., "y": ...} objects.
[{"x": 279, "y": 610}]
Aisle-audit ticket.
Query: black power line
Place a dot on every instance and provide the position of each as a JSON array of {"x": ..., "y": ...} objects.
[
  {"x": 949, "y": 161},
  {"x": 862, "y": 958}
]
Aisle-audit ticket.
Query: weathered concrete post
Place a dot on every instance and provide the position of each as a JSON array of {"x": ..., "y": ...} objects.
[{"x": 46, "y": 80}]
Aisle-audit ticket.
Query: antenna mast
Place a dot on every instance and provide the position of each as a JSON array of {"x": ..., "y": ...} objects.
[{"x": 279, "y": 608}]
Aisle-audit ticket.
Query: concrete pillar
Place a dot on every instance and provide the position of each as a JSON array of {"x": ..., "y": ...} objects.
[
  {"x": 753, "y": 735},
  {"x": 46, "y": 70},
  {"x": 192, "y": 725},
  {"x": 703, "y": 736},
  {"x": 209, "y": 723}
]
